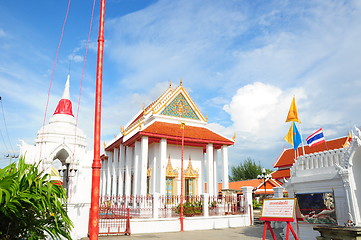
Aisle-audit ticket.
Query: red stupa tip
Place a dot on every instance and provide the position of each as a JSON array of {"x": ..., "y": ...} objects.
[{"x": 64, "y": 107}]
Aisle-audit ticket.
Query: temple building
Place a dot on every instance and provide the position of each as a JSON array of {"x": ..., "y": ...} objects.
[{"x": 169, "y": 135}]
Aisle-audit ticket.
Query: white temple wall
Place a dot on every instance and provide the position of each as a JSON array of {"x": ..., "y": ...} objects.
[{"x": 356, "y": 184}]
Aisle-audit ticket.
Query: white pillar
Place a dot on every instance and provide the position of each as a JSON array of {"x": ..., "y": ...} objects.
[
  {"x": 136, "y": 172},
  {"x": 210, "y": 169},
  {"x": 103, "y": 178},
  {"x": 156, "y": 205},
  {"x": 247, "y": 193},
  {"x": 277, "y": 193},
  {"x": 109, "y": 173},
  {"x": 225, "y": 180},
  {"x": 205, "y": 197},
  {"x": 143, "y": 166},
  {"x": 215, "y": 167},
  {"x": 163, "y": 166},
  {"x": 128, "y": 169},
  {"x": 121, "y": 170},
  {"x": 115, "y": 171},
  {"x": 154, "y": 173}
]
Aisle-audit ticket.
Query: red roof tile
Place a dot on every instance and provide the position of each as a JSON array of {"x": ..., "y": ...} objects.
[
  {"x": 255, "y": 183},
  {"x": 191, "y": 133},
  {"x": 287, "y": 157},
  {"x": 282, "y": 173}
]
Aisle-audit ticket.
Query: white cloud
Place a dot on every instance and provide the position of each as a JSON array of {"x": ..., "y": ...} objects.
[
  {"x": 2, "y": 33},
  {"x": 258, "y": 112}
]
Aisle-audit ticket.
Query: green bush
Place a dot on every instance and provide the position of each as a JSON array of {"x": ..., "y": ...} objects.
[
  {"x": 256, "y": 204},
  {"x": 31, "y": 206},
  {"x": 194, "y": 208}
]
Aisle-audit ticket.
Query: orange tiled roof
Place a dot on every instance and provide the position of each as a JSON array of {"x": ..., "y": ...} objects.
[
  {"x": 255, "y": 183},
  {"x": 191, "y": 133},
  {"x": 282, "y": 173},
  {"x": 287, "y": 156}
]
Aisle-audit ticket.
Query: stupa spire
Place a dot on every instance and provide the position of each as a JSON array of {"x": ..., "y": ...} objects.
[{"x": 65, "y": 105}]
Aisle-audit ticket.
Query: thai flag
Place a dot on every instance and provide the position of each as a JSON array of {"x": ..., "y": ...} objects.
[{"x": 316, "y": 138}]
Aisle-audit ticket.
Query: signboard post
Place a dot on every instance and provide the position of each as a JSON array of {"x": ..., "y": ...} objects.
[{"x": 280, "y": 209}]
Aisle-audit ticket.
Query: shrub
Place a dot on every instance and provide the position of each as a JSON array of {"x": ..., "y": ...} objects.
[
  {"x": 193, "y": 208},
  {"x": 31, "y": 206}
]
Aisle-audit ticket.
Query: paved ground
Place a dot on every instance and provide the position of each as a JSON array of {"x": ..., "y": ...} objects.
[{"x": 240, "y": 233}]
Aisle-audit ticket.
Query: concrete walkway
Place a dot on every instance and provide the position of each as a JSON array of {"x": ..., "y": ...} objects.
[{"x": 240, "y": 233}]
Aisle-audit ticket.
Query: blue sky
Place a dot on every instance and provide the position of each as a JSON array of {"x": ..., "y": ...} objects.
[{"x": 241, "y": 62}]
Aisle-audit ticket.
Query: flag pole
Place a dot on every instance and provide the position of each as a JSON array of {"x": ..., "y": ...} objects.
[
  {"x": 303, "y": 147},
  {"x": 93, "y": 227}
]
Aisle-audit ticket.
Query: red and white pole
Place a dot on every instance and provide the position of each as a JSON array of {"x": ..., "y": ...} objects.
[{"x": 96, "y": 166}]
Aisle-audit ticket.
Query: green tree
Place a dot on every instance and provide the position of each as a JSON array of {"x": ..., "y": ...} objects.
[
  {"x": 31, "y": 206},
  {"x": 246, "y": 170}
]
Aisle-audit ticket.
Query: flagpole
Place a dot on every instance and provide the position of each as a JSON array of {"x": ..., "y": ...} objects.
[
  {"x": 93, "y": 227},
  {"x": 303, "y": 147}
]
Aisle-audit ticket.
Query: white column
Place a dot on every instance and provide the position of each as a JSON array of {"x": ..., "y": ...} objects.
[
  {"x": 247, "y": 193},
  {"x": 109, "y": 173},
  {"x": 136, "y": 173},
  {"x": 205, "y": 204},
  {"x": 115, "y": 171},
  {"x": 215, "y": 167},
  {"x": 154, "y": 174},
  {"x": 210, "y": 169},
  {"x": 163, "y": 166},
  {"x": 225, "y": 180},
  {"x": 156, "y": 205},
  {"x": 143, "y": 166},
  {"x": 103, "y": 175},
  {"x": 128, "y": 169},
  {"x": 277, "y": 193},
  {"x": 121, "y": 170}
]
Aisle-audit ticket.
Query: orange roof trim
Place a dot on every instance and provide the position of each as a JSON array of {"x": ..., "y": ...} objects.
[
  {"x": 191, "y": 133},
  {"x": 282, "y": 173}
]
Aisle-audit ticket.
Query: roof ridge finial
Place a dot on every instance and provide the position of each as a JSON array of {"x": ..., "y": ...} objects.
[
  {"x": 170, "y": 84},
  {"x": 181, "y": 82}
]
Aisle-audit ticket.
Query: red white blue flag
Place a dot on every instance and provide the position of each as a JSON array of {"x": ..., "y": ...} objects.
[{"x": 316, "y": 138}]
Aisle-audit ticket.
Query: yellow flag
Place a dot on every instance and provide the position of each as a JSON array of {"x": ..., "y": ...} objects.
[
  {"x": 292, "y": 113},
  {"x": 289, "y": 136}
]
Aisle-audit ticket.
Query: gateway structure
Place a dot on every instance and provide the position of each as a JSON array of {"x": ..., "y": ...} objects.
[{"x": 145, "y": 158}]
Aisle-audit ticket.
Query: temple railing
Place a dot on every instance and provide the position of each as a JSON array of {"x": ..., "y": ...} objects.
[
  {"x": 156, "y": 206},
  {"x": 320, "y": 160}
]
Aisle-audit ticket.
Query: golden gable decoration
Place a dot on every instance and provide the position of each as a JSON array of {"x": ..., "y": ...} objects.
[
  {"x": 170, "y": 172},
  {"x": 190, "y": 172}
]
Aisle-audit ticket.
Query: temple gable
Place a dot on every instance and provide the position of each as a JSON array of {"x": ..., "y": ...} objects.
[{"x": 179, "y": 107}]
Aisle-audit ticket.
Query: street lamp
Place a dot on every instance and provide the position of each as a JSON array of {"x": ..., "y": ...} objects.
[
  {"x": 265, "y": 177},
  {"x": 67, "y": 172},
  {"x": 11, "y": 157}
]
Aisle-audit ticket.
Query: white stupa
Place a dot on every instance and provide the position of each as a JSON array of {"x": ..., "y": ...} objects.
[{"x": 60, "y": 147}]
